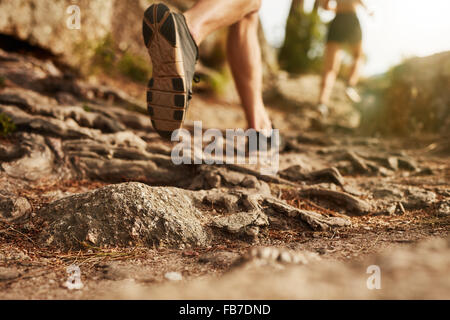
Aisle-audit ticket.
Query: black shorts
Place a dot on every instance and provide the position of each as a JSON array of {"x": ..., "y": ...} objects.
[{"x": 345, "y": 28}]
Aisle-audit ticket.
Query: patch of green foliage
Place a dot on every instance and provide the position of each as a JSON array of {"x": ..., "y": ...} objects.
[
  {"x": 219, "y": 81},
  {"x": 303, "y": 48},
  {"x": 7, "y": 126},
  {"x": 411, "y": 98},
  {"x": 87, "y": 108},
  {"x": 133, "y": 67},
  {"x": 105, "y": 57}
]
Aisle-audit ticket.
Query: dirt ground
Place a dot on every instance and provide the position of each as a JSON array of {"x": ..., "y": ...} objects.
[
  {"x": 40, "y": 274},
  {"x": 409, "y": 205}
]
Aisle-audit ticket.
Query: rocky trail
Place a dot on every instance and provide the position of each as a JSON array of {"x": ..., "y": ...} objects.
[{"x": 86, "y": 181}]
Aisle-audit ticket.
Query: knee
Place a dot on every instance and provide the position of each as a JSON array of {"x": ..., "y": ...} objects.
[
  {"x": 358, "y": 57},
  {"x": 249, "y": 22},
  {"x": 358, "y": 54},
  {"x": 255, "y": 5},
  {"x": 335, "y": 69},
  {"x": 330, "y": 74},
  {"x": 331, "y": 71},
  {"x": 253, "y": 18}
]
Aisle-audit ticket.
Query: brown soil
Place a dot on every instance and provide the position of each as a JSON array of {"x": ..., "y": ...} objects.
[{"x": 38, "y": 273}]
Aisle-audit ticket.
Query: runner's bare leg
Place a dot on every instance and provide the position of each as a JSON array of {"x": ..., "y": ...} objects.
[
  {"x": 244, "y": 56},
  {"x": 244, "y": 52},
  {"x": 358, "y": 61},
  {"x": 207, "y": 16},
  {"x": 331, "y": 70}
]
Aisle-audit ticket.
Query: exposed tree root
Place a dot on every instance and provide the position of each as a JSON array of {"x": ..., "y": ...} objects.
[{"x": 340, "y": 200}]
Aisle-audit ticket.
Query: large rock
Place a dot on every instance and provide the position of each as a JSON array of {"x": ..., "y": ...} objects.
[
  {"x": 114, "y": 22},
  {"x": 44, "y": 23},
  {"x": 123, "y": 215}
]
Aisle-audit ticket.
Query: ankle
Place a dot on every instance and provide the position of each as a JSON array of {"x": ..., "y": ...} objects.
[
  {"x": 261, "y": 122},
  {"x": 193, "y": 28}
]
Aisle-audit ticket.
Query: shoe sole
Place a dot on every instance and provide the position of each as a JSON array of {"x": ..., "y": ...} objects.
[{"x": 167, "y": 96}]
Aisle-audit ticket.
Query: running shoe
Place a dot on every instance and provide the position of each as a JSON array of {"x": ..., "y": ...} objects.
[
  {"x": 174, "y": 54},
  {"x": 323, "y": 109},
  {"x": 353, "y": 94}
]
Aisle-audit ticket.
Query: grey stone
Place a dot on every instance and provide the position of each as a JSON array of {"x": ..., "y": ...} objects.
[
  {"x": 241, "y": 222},
  {"x": 173, "y": 276},
  {"x": 229, "y": 202},
  {"x": 124, "y": 215},
  {"x": 443, "y": 209},
  {"x": 37, "y": 162},
  {"x": 391, "y": 193},
  {"x": 13, "y": 208},
  {"x": 43, "y": 23},
  {"x": 418, "y": 198}
]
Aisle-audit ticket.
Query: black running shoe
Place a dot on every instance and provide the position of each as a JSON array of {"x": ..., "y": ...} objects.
[{"x": 174, "y": 54}]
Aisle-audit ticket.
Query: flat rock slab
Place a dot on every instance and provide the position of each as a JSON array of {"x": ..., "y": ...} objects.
[
  {"x": 241, "y": 222},
  {"x": 124, "y": 215}
]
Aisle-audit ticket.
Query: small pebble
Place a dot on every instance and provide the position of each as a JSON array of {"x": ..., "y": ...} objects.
[
  {"x": 173, "y": 276},
  {"x": 286, "y": 257}
]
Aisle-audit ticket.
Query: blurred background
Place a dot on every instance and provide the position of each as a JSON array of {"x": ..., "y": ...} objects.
[{"x": 406, "y": 81}]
